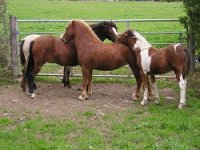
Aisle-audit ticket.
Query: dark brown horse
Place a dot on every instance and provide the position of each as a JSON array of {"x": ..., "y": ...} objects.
[
  {"x": 158, "y": 61},
  {"x": 93, "y": 54},
  {"x": 51, "y": 49}
]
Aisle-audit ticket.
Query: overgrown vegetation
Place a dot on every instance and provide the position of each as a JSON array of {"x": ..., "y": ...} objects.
[
  {"x": 4, "y": 41},
  {"x": 192, "y": 23}
]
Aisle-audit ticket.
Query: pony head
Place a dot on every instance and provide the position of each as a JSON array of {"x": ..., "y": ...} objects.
[
  {"x": 68, "y": 35},
  {"x": 134, "y": 40},
  {"x": 110, "y": 29},
  {"x": 127, "y": 38}
]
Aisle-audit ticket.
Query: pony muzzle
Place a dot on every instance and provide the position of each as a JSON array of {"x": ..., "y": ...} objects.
[{"x": 65, "y": 41}]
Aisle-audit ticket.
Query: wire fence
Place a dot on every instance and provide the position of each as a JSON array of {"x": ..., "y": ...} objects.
[{"x": 56, "y": 27}]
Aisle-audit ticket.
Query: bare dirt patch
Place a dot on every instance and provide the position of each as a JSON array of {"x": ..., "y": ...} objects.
[{"x": 53, "y": 100}]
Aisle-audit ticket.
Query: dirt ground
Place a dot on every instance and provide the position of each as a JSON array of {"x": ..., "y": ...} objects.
[{"x": 53, "y": 100}]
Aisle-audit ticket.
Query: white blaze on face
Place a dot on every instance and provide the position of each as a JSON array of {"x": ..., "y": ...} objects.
[
  {"x": 114, "y": 30},
  {"x": 62, "y": 35},
  {"x": 145, "y": 61}
]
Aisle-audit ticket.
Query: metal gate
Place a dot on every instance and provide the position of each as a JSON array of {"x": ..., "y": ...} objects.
[{"x": 18, "y": 32}]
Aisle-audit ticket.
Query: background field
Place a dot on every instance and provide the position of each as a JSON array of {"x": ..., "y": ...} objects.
[
  {"x": 111, "y": 120},
  {"x": 44, "y": 9}
]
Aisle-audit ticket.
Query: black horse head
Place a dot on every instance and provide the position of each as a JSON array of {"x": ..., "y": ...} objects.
[{"x": 105, "y": 29}]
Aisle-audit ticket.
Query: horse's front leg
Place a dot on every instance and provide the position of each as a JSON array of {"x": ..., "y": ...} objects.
[
  {"x": 155, "y": 89},
  {"x": 150, "y": 93},
  {"x": 85, "y": 72},
  {"x": 182, "y": 86},
  {"x": 145, "y": 84},
  {"x": 66, "y": 74},
  {"x": 136, "y": 71},
  {"x": 89, "y": 87}
]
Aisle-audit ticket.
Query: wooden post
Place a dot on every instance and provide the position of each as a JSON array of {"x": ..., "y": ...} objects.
[
  {"x": 13, "y": 46},
  {"x": 129, "y": 71}
]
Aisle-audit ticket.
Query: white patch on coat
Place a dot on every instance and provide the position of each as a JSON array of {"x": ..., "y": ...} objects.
[
  {"x": 141, "y": 42},
  {"x": 27, "y": 42},
  {"x": 145, "y": 61},
  {"x": 175, "y": 46}
]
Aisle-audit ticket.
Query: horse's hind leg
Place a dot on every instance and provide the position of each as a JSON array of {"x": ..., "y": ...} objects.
[
  {"x": 66, "y": 74},
  {"x": 182, "y": 86},
  {"x": 31, "y": 79},
  {"x": 23, "y": 82},
  {"x": 155, "y": 89}
]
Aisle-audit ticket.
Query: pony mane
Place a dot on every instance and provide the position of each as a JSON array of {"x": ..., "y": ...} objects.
[
  {"x": 85, "y": 27},
  {"x": 105, "y": 23},
  {"x": 141, "y": 43}
]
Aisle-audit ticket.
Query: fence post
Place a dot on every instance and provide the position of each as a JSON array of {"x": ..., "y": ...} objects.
[
  {"x": 13, "y": 46},
  {"x": 129, "y": 69}
]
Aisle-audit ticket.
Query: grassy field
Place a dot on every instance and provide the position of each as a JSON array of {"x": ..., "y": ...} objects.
[
  {"x": 151, "y": 127},
  {"x": 45, "y": 9}
]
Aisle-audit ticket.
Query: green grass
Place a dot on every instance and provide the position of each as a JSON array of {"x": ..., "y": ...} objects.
[
  {"x": 45, "y": 9},
  {"x": 151, "y": 127}
]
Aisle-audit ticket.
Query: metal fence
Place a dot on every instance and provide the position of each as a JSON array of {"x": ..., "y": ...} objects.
[{"x": 20, "y": 32}]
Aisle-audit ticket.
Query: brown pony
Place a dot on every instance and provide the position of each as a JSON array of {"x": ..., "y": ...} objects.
[
  {"x": 158, "y": 61},
  {"x": 94, "y": 54},
  {"x": 51, "y": 49}
]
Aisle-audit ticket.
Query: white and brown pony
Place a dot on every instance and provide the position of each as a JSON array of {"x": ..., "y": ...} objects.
[{"x": 152, "y": 61}]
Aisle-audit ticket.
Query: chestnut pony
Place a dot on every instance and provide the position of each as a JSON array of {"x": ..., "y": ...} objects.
[
  {"x": 158, "y": 61},
  {"x": 94, "y": 54},
  {"x": 56, "y": 48}
]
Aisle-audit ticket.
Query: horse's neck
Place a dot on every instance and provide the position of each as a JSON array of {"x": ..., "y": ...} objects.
[{"x": 88, "y": 35}]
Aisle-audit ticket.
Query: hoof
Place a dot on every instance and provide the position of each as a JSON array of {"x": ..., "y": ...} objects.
[
  {"x": 157, "y": 101},
  {"x": 181, "y": 106},
  {"x": 83, "y": 97},
  {"x": 134, "y": 97},
  {"x": 23, "y": 89},
  {"x": 67, "y": 85},
  {"x": 143, "y": 103},
  {"x": 32, "y": 95},
  {"x": 150, "y": 98}
]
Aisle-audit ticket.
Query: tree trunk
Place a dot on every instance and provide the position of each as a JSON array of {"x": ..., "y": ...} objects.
[{"x": 191, "y": 48}]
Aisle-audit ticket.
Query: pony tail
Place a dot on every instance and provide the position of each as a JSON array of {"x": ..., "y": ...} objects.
[
  {"x": 22, "y": 57},
  {"x": 31, "y": 61},
  {"x": 186, "y": 68}
]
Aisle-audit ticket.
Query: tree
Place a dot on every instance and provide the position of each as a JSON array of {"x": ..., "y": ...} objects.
[
  {"x": 4, "y": 34},
  {"x": 192, "y": 24}
]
